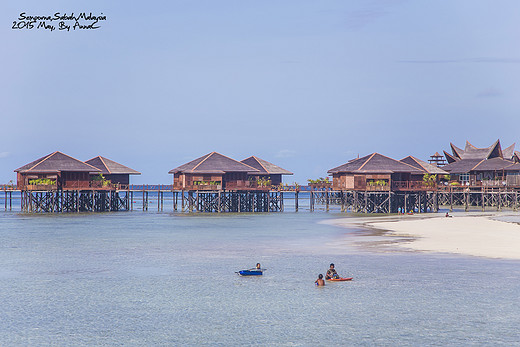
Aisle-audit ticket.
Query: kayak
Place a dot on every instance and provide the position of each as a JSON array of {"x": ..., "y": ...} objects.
[
  {"x": 250, "y": 272},
  {"x": 341, "y": 279}
]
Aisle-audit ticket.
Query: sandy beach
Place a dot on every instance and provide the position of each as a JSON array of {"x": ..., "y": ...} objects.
[{"x": 475, "y": 235}]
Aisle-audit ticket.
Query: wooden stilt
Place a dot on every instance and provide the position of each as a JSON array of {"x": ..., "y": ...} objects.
[
  {"x": 451, "y": 200},
  {"x": 327, "y": 197}
]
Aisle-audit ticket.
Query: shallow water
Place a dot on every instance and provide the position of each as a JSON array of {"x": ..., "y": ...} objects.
[{"x": 134, "y": 278}]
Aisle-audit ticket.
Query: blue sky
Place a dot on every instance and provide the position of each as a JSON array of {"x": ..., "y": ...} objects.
[{"x": 304, "y": 84}]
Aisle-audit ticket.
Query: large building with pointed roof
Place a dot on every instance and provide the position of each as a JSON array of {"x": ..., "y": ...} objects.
[
  {"x": 486, "y": 166},
  {"x": 266, "y": 170},
  {"x": 114, "y": 172},
  {"x": 213, "y": 171},
  {"x": 57, "y": 171}
]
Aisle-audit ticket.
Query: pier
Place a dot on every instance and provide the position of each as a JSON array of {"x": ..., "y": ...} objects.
[{"x": 140, "y": 197}]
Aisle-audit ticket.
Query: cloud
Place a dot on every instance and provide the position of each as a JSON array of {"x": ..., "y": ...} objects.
[
  {"x": 370, "y": 12},
  {"x": 358, "y": 19},
  {"x": 467, "y": 60},
  {"x": 285, "y": 153},
  {"x": 4, "y": 154},
  {"x": 489, "y": 93}
]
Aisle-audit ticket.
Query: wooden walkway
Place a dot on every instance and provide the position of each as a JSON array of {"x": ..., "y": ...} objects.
[{"x": 482, "y": 198}]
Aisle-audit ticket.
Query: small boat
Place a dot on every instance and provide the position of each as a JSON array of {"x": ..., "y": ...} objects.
[
  {"x": 340, "y": 279},
  {"x": 250, "y": 272}
]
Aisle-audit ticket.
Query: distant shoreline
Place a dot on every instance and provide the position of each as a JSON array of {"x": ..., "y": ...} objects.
[{"x": 473, "y": 234}]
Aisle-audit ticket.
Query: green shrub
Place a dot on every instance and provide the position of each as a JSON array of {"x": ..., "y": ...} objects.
[{"x": 42, "y": 181}]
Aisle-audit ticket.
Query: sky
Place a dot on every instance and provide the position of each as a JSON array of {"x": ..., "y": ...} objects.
[{"x": 304, "y": 84}]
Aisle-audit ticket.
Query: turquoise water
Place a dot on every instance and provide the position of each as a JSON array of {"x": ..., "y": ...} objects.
[{"x": 135, "y": 279}]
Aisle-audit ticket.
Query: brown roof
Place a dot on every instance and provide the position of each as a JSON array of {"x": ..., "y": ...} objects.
[
  {"x": 264, "y": 167},
  {"x": 472, "y": 152},
  {"x": 376, "y": 163},
  {"x": 493, "y": 164},
  {"x": 514, "y": 167},
  {"x": 450, "y": 158},
  {"x": 461, "y": 166},
  {"x": 516, "y": 156},
  {"x": 109, "y": 167},
  {"x": 422, "y": 165},
  {"x": 213, "y": 163},
  {"x": 56, "y": 162},
  {"x": 509, "y": 151},
  {"x": 457, "y": 152}
]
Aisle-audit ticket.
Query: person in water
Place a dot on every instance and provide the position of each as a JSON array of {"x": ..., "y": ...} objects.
[
  {"x": 331, "y": 273},
  {"x": 320, "y": 282},
  {"x": 257, "y": 268}
]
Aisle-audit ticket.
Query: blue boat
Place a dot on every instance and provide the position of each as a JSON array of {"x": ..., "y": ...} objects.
[{"x": 250, "y": 272}]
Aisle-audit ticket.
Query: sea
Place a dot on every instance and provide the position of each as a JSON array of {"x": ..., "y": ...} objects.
[{"x": 166, "y": 278}]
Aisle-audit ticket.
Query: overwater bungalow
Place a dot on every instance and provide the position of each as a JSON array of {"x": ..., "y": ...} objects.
[
  {"x": 267, "y": 172},
  {"x": 111, "y": 171},
  {"x": 376, "y": 172},
  {"x": 489, "y": 166},
  {"x": 53, "y": 172},
  {"x": 214, "y": 171}
]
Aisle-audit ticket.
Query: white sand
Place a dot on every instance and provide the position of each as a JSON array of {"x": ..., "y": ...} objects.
[{"x": 469, "y": 235}]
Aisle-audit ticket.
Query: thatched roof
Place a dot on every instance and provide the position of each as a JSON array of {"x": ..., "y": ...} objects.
[
  {"x": 514, "y": 167},
  {"x": 110, "y": 167},
  {"x": 516, "y": 157},
  {"x": 375, "y": 163},
  {"x": 493, "y": 164},
  {"x": 471, "y": 152},
  {"x": 56, "y": 162},
  {"x": 422, "y": 165},
  {"x": 461, "y": 166},
  {"x": 457, "y": 152},
  {"x": 509, "y": 152},
  {"x": 213, "y": 163},
  {"x": 264, "y": 167},
  {"x": 450, "y": 158}
]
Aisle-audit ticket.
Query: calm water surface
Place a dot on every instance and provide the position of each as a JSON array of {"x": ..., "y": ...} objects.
[{"x": 136, "y": 279}]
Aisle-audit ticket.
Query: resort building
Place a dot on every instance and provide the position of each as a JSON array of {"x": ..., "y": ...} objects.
[
  {"x": 489, "y": 166},
  {"x": 214, "y": 171},
  {"x": 266, "y": 172},
  {"x": 55, "y": 171},
  {"x": 112, "y": 172},
  {"x": 376, "y": 172}
]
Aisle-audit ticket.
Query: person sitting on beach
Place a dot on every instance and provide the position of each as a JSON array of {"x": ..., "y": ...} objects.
[
  {"x": 320, "y": 282},
  {"x": 448, "y": 215},
  {"x": 331, "y": 273}
]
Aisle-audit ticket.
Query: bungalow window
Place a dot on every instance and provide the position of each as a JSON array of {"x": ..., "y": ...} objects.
[{"x": 464, "y": 177}]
